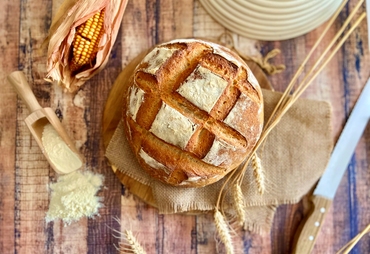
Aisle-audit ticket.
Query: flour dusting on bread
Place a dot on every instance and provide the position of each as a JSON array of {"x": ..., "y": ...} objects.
[
  {"x": 153, "y": 163},
  {"x": 194, "y": 112},
  {"x": 156, "y": 58},
  {"x": 172, "y": 127},
  {"x": 203, "y": 88},
  {"x": 136, "y": 99}
]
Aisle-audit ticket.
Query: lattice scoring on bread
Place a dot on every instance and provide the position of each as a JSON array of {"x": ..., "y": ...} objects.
[{"x": 194, "y": 112}]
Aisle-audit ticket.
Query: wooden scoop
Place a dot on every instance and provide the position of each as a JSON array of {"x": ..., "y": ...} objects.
[{"x": 40, "y": 117}]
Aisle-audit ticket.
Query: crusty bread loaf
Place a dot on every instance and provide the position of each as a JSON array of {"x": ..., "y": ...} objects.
[{"x": 194, "y": 112}]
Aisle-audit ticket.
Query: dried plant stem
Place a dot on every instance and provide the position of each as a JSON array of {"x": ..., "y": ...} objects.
[
  {"x": 292, "y": 99},
  {"x": 285, "y": 100},
  {"x": 303, "y": 64},
  {"x": 223, "y": 231},
  {"x": 288, "y": 98},
  {"x": 303, "y": 88},
  {"x": 349, "y": 246},
  {"x": 239, "y": 203},
  {"x": 262, "y": 62},
  {"x": 223, "y": 187},
  {"x": 258, "y": 173},
  {"x": 130, "y": 244}
]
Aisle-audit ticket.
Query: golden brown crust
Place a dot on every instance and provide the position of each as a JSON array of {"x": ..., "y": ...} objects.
[{"x": 194, "y": 111}]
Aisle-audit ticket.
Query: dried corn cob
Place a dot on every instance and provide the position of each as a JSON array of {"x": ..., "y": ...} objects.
[
  {"x": 86, "y": 42},
  {"x": 75, "y": 55}
]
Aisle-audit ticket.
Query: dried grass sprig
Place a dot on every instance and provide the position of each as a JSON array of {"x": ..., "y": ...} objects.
[
  {"x": 262, "y": 62},
  {"x": 289, "y": 97},
  {"x": 129, "y": 244},
  {"x": 239, "y": 204},
  {"x": 223, "y": 231},
  {"x": 305, "y": 82},
  {"x": 258, "y": 173},
  {"x": 349, "y": 246},
  {"x": 80, "y": 40}
]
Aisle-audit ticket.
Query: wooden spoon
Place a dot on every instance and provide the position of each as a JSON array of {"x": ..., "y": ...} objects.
[{"x": 40, "y": 117}]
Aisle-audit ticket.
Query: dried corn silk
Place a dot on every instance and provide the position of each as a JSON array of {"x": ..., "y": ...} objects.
[{"x": 74, "y": 196}]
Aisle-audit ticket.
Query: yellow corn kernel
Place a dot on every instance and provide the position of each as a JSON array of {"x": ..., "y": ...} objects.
[{"x": 86, "y": 41}]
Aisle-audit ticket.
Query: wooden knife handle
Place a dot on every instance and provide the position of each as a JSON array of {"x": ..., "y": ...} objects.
[
  {"x": 312, "y": 225},
  {"x": 20, "y": 84}
]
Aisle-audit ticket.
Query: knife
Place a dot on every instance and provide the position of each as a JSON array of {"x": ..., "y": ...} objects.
[
  {"x": 326, "y": 188},
  {"x": 325, "y": 191}
]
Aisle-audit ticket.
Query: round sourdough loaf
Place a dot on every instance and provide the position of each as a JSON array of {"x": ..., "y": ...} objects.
[{"x": 194, "y": 112}]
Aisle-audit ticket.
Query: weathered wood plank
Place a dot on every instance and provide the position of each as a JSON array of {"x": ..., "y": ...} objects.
[
  {"x": 204, "y": 25},
  {"x": 353, "y": 73},
  {"x": 206, "y": 236},
  {"x": 173, "y": 20},
  {"x": 138, "y": 35},
  {"x": 30, "y": 234},
  {"x": 25, "y": 174},
  {"x": 158, "y": 24},
  {"x": 29, "y": 218},
  {"x": 137, "y": 30},
  {"x": 332, "y": 85},
  {"x": 142, "y": 220},
  {"x": 69, "y": 239},
  {"x": 100, "y": 236},
  {"x": 171, "y": 23},
  {"x": 9, "y": 40},
  {"x": 175, "y": 225}
]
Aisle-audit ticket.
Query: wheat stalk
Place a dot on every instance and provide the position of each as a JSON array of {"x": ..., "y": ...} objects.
[
  {"x": 286, "y": 101},
  {"x": 258, "y": 173},
  {"x": 239, "y": 203},
  {"x": 289, "y": 97},
  {"x": 223, "y": 231},
  {"x": 129, "y": 243},
  {"x": 349, "y": 246}
]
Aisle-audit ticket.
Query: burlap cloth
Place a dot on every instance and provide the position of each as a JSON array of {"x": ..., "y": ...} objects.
[{"x": 294, "y": 157}]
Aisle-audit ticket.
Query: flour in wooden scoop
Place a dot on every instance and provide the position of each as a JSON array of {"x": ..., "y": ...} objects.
[
  {"x": 63, "y": 158},
  {"x": 73, "y": 196}
]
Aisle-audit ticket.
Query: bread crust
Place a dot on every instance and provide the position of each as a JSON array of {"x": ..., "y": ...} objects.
[{"x": 194, "y": 112}]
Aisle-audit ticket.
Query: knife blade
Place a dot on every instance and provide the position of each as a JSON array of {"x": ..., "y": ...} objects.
[
  {"x": 325, "y": 190},
  {"x": 328, "y": 184}
]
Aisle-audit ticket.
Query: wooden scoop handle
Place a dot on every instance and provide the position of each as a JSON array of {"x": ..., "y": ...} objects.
[{"x": 20, "y": 84}]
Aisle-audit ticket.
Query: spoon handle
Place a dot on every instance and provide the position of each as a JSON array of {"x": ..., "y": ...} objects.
[{"x": 20, "y": 84}]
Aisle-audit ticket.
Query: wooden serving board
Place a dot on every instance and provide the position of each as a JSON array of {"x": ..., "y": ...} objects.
[{"x": 112, "y": 115}]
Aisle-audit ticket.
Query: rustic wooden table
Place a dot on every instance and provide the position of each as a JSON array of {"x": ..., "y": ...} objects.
[{"x": 25, "y": 174}]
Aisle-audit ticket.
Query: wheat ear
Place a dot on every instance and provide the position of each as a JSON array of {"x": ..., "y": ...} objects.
[
  {"x": 239, "y": 203},
  {"x": 258, "y": 173},
  {"x": 223, "y": 231},
  {"x": 130, "y": 244}
]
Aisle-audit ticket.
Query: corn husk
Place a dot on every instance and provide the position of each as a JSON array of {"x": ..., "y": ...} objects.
[{"x": 70, "y": 15}]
